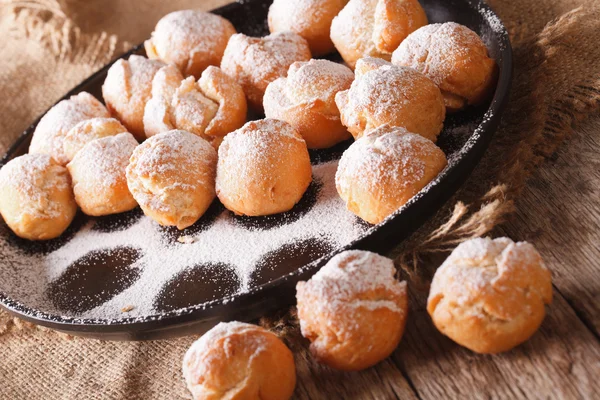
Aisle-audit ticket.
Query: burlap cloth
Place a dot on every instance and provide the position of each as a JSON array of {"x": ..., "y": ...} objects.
[{"x": 48, "y": 46}]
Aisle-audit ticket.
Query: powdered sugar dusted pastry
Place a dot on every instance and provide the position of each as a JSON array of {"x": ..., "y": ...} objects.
[
  {"x": 49, "y": 135},
  {"x": 306, "y": 100},
  {"x": 382, "y": 170},
  {"x": 263, "y": 168},
  {"x": 256, "y": 62},
  {"x": 310, "y": 19},
  {"x": 88, "y": 130},
  {"x": 374, "y": 27},
  {"x": 209, "y": 108},
  {"x": 386, "y": 94},
  {"x": 455, "y": 58},
  {"x": 190, "y": 39},
  {"x": 239, "y": 361},
  {"x": 353, "y": 310},
  {"x": 127, "y": 88},
  {"x": 98, "y": 173},
  {"x": 489, "y": 295},
  {"x": 172, "y": 177},
  {"x": 37, "y": 201}
]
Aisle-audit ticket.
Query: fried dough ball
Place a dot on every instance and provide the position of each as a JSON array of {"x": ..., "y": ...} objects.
[
  {"x": 374, "y": 28},
  {"x": 37, "y": 202},
  {"x": 489, "y": 295},
  {"x": 310, "y": 19},
  {"x": 239, "y": 361},
  {"x": 256, "y": 62},
  {"x": 98, "y": 173},
  {"x": 172, "y": 177},
  {"x": 306, "y": 100},
  {"x": 49, "y": 135},
  {"x": 209, "y": 108},
  {"x": 353, "y": 310},
  {"x": 382, "y": 170},
  {"x": 383, "y": 93},
  {"x": 263, "y": 168},
  {"x": 455, "y": 58},
  {"x": 127, "y": 88},
  {"x": 88, "y": 130},
  {"x": 190, "y": 39}
]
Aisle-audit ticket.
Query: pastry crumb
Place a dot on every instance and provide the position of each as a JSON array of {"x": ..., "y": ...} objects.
[
  {"x": 187, "y": 239},
  {"x": 127, "y": 308}
]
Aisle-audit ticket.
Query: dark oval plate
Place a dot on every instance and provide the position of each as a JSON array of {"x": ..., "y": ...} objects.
[{"x": 69, "y": 285}]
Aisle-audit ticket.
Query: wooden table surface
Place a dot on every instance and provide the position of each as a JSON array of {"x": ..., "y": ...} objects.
[{"x": 560, "y": 214}]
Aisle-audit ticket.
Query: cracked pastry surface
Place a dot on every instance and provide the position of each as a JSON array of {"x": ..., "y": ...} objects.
[
  {"x": 374, "y": 28},
  {"x": 235, "y": 360},
  {"x": 172, "y": 177},
  {"x": 490, "y": 295},
  {"x": 353, "y": 310},
  {"x": 306, "y": 100},
  {"x": 455, "y": 58},
  {"x": 37, "y": 201},
  {"x": 191, "y": 39},
  {"x": 383, "y": 93},
  {"x": 263, "y": 169},
  {"x": 384, "y": 169},
  {"x": 88, "y": 130}
]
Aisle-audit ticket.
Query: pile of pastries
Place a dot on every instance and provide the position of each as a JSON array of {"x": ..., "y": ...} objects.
[{"x": 172, "y": 133}]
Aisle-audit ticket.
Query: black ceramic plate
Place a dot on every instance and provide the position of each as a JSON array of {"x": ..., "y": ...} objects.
[{"x": 87, "y": 296}]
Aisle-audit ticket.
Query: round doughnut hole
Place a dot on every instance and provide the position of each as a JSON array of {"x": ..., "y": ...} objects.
[
  {"x": 288, "y": 258},
  {"x": 94, "y": 279},
  {"x": 44, "y": 247},
  {"x": 172, "y": 234},
  {"x": 197, "y": 285},
  {"x": 117, "y": 222},
  {"x": 306, "y": 203}
]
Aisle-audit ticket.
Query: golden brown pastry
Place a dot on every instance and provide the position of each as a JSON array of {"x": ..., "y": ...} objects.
[
  {"x": 49, "y": 135},
  {"x": 98, "y": 173},
  {"x": 190, "y": 39},
  {"x": 256, "y": 62},
  {"x": 209, "y": 108},
  {"x": 489, "y": 295},
  {"x": 37, "y": 201},
  {"x": 374, "y": 27},
  {"x": 455, "y": 58},
  {"x": 127, "y": 88},
  {"x": 306, "y": 100},
  {"x": 353, "y": 310},
  {"x": 172, "y": 177},
  {"x": 88, "y": 130},
  {"x": 382, "y": 170},
  {"x": 310, "y": 19},
  {"x": 239, "y": 361},
  {"x": 386, "y": 94},
  {"x": 263, "y": 168}
]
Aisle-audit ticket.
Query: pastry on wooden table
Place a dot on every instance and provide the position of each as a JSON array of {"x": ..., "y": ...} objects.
[
  {"x": 353, "y": 310},
  {"x": 306, "y": 100},
  {"x": 172, "y": 177},
  {"x": 126, "y": 90},
  {"x": 88, "y": 130},
  {"x": 384, "y": 169},
  {"x": 239, "y": 361},
  {"x": 383, "y": 93},
  {"x": 209, "y": 108},
  {"x": 374, "y": 28},
  {"x": 490, "y": 295},
  {"x": 190, "y": 39},
  {"x": 310, "y": 19},
  {"x": 37, "y": 201},
  {"x": 455, "y": 58},
  {"x": 255, "y": 62},
  {"x": 50, "y": 132},
  {"x": 98, "y": 173},
  {"x": 264, "y": 168}
]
